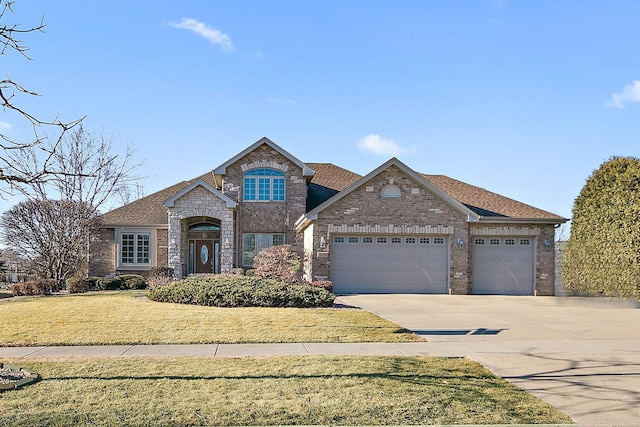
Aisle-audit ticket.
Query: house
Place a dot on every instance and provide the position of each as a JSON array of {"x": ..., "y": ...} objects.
[{"x": 393, "y": 230}]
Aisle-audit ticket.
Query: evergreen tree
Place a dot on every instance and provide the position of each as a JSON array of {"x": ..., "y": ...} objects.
[{"x": 602, "y": 256}]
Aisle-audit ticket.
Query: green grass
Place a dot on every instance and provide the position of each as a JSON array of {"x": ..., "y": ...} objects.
[
  {"x": 268, "y": 391},
  {"x": 130, "y": 318}
]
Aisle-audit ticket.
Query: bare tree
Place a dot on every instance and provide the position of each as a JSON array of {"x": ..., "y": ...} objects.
[
  {"x": 51, "y": 234},
  {"x": 12, "y": 176},
  {"x": 88, "y": 170}
]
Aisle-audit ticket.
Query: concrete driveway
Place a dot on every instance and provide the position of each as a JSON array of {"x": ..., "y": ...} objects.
[{"x": 581, "y": 355}]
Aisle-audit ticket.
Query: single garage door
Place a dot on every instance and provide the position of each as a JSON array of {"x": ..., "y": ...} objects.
[
  {"x": 502, "y": 266},
  {"x": 389, "y": 264}
]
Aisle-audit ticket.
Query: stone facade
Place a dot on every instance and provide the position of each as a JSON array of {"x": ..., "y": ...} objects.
[{"x": 199, "y": 202}]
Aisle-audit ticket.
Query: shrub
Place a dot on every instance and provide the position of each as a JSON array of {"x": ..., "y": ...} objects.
[
  {"x": 109, "y": 284},
  {"x": 92, "y": 282},
  {"x": 278, "y": 263},
  {"x": 34, "y": 287},
  {"x": 77, "y": 285},
  {"x": 324, "y": 284},
  {"x": 241, "y": 291},
  {"x": 132, "y": 281},
  {"x": 159, "y": 276}
]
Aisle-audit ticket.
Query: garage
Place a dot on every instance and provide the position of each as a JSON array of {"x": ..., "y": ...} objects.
[
  {"x": 503, "y": 265},
  {"x": 389, "y": 264}
]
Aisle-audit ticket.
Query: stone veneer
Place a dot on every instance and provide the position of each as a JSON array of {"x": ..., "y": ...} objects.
[{"x": 199, "y": 202}]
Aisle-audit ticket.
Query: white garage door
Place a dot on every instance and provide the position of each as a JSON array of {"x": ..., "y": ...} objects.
[
  {"x": 502, "y": 266},
  {"x": 389, "y": 264}
]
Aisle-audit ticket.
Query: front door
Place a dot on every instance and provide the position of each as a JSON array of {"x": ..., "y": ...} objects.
[{"x": 204, "y": 256}]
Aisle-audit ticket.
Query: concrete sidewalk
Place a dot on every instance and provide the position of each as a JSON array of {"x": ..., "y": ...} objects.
[{"x": 236, "y": 350}]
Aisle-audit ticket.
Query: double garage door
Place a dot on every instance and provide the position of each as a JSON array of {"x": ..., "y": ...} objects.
[
  {"x": 390, "y": 264},
  {"x": 503, "y": 265}
]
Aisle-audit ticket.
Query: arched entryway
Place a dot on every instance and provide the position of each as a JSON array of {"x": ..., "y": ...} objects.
[{"x": 203, "y": 243}]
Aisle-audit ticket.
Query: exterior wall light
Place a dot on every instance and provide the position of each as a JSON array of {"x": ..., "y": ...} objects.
[
  {"x": 323, "y": 242},
  {"x": 460, "y": 243}
]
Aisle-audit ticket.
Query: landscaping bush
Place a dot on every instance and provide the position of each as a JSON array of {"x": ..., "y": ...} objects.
[
  {"x": 77, "y": 285},
  {"x": 324, "y": 284},
  {"x": 132, "y": 281},
  {"x": 92, "y": 282},
  {"x": 109, "y": 284},
  {"x": 34, "y": 287},
  {"x": 241, "y": 291},
  {"x": 278, "y": 263},
  {"x": 159, "y": 276}
]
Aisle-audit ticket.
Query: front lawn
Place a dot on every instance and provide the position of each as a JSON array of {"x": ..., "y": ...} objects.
[
  {"x": 130, "y": 318},
  {"x": 269, "y": 391}
]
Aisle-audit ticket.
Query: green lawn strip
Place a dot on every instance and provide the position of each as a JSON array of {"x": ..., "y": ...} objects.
[
  {"x": 130, "y": 318},
  {"x": 269, "y": 391}
]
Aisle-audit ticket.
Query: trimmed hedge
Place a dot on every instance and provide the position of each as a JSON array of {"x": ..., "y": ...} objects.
[
  {"x": 241, "y": 291},
  {"x": 124, "y": 282}
]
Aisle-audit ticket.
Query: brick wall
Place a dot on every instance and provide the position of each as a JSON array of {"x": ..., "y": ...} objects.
[
  {"x": 267, "y": 217},
  {"x": 418, "y": 209},
  {"x": 102, "y": 258}
]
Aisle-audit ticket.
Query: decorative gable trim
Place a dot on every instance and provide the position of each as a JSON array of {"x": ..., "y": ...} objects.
[
  {"x": 270, "y": 164},
  {"x": 170, "y": 202},
  {"x": 312, "y": 215},
  {"x": 306, "y": 170}
]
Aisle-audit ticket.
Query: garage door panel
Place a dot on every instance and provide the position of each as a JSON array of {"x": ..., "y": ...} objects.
[
  {"x": 502, "y": 266},
  {"x": 389, "y": 264}
]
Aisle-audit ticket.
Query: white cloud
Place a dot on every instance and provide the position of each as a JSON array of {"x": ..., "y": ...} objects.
[
  {"x": 214, "y": 35},
  {"x": 5, "y": 125},
  {"x": 381, "y": 146},
  {"x": 630, "y": 94}
]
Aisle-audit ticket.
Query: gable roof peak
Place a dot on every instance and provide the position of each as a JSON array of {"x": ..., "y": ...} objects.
[{"x": 306, "y": 170}]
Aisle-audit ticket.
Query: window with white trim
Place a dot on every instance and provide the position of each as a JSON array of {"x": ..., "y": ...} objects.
[
  {"x": 254, "y": 243},
  {"x": 264, "y": 184},
  {"x": 135, "y": 248}
]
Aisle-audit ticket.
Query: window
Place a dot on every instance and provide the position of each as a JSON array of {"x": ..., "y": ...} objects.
[
  {"x": 509, "y": 242},
  {"x": 390, "y": 192},
  {"x": 353, "y": 240},
  {"x": 424, "y": 240},
  {"x": 479, "y": 241},
  {"x": 382, "y": 240},
  {"x": 396, "y": 240},
  {"x": 135, "y": 248},
  {"x": 525, "y": 241},
  {"x": 367, "y": 240},
  {"x": 253, "y": 243},
  {"x": 494, "y": 241},
  {"x": 410, "y": 240},
  {"x": 264, "y": 185},
  {"x": 338, "y": 239},
  {"x": 438, "y": 240}
]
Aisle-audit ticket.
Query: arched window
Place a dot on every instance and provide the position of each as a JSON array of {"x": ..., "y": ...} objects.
[
  {"x": 264, "y": 185},
  {"x": 390, "y": 192}
]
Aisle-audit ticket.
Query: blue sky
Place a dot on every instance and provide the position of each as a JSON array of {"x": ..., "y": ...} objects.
[{"x": 523, "y": 98}]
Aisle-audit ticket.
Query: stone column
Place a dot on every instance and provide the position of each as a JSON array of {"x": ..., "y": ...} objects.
[{"x": 175, "y": 243}]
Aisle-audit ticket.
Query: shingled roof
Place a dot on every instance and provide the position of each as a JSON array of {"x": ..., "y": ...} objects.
[
  {"x": 149, "y": 210},
  {"x": 486, "y": 203},
  {"x": 329, "y": 180}
]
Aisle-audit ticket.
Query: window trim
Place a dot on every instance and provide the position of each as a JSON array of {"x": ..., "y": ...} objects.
[
  {"x": 151, "y": 232},
  {"x": 261, "y": 179}
]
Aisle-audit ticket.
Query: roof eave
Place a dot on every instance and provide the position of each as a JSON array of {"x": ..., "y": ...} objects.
[
  {"x": 306, "y": 170},
  {"x": 512, "y": 220}
]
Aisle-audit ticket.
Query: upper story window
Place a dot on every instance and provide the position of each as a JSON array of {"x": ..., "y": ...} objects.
[{"x": 264, "y": 185}]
